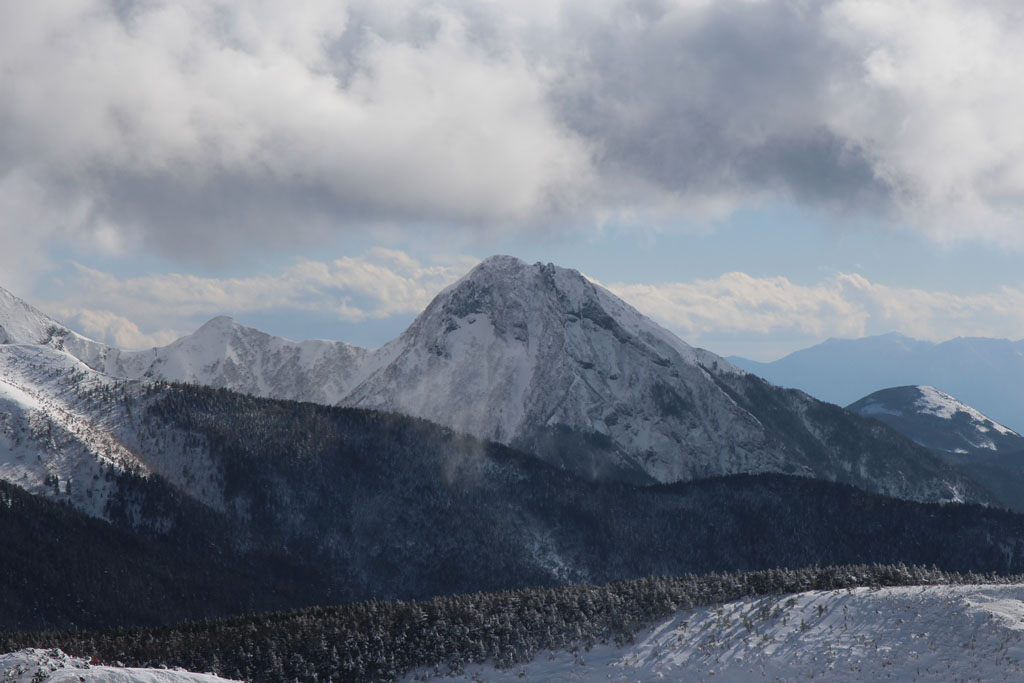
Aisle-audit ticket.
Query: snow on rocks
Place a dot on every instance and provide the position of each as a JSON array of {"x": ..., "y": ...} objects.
[
  {"x": 941, "y": 404},
  {"x": 924, "y": 633},
  {"x": 54, "y": 666}
]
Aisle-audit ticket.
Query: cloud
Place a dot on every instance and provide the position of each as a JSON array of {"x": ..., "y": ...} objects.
[
  {"x": 844, "y": 305},
  {"x": 200, "y": 129},
  {"x": 758, "y": 316},
  {"x": 190, "y": 125},
  {"x": 151, "y": 310},
  {"x": 931, "y": 104},
  {"x": 901, "y": 109},
  {"x": 114, "y": 329}
]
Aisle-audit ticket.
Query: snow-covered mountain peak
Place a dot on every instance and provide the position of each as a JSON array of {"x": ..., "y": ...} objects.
[
  {"x": 515, "y": 353},
  {"x": 21, "y": 323},
  {"x": 939, "y": 421},
  {"x": 544, "y": 359},
  {"x": 218, "y": 339},
  {"x": 221, "y": 324},
  {"x": 514, "y": 294},
  {"x": 941, "y": 404}
]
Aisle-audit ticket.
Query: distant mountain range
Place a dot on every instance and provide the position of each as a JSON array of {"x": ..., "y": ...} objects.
[
  {"x": 532, "y": 356},
  {"x": 987, "y": 374}
]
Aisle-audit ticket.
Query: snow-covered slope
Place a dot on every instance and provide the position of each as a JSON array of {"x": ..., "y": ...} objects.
[
  {"x": 938, "y": 421},
  {"x": 223, "y": 353},
  {"x": 922, "y": 633},
  {"x": 50, "y": 443},
  {"x": 513, "y": 352},
  {"x": 53, "y": 666},
  {"x": 21, "y": 323},
  {"x": 539, "y": 357},
  {"x": 65, "y": 428},
  {"x": 985, "y": 373}
]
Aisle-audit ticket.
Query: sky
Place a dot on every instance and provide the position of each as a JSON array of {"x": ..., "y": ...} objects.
[{"x": 756, "y": 175}]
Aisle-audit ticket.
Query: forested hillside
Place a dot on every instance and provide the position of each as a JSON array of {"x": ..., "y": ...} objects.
[
  {"x": 62, "y": 569},
  {"x": 325, "y": 505}
]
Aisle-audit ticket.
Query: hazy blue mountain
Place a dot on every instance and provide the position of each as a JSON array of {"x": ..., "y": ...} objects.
[{"x": 987, "y": 374}]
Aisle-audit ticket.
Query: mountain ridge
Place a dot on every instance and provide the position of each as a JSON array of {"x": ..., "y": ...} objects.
[{"x": 540, "y": 358}]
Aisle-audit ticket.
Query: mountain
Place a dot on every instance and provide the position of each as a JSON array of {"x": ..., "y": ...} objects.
[
  {"x": 985, "y": 373},
  {"x": 66, "y": 431},
  {"x": 279, "y": 504},
  {"x": 21, "y": 323},
  {"x": 936, "y": 420},
  {"x": 542, "y": 359},
  {"x": 526, "y": 354},
  {"x": 977, "y": 446},
  {"x": 48, "y": 437},
  {"x": 221, "y": 353}
]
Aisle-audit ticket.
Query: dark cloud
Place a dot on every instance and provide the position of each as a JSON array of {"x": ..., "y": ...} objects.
[
  {"x": 816, "y": 168},
  {"x": 728, "y": 99},
  {"x": 195, "y": 127}
]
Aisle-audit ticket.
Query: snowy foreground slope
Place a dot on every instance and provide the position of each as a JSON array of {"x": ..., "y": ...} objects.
[
  {"x": 922, "y": 633},
  {"x": 53, "y": 666}
]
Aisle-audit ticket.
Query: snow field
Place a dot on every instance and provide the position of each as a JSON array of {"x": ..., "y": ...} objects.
[
  {"x": 53, "y": 666},
  {"x": 919, "y": 633}
]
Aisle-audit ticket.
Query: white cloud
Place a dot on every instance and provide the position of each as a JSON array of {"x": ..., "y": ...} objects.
[
  {"x": 845, "y": 305},
  {"x": 113, "y": 329},
  {"x": 154, "y": 309},
  {"x": 187, "y": 124},
  {"x": 930, "y": 99}
]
